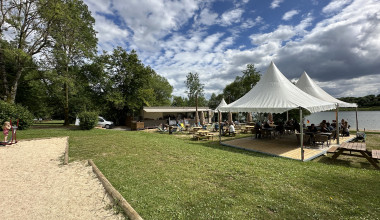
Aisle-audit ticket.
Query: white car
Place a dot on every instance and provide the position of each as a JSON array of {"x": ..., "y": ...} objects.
[{"x": 104, "y": 123}]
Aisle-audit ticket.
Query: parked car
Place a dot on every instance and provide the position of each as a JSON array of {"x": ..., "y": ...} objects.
[{"x": 104, "y": 123}]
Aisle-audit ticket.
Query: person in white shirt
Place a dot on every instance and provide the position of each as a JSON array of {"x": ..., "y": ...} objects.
[{"x": 231, "y": 129}]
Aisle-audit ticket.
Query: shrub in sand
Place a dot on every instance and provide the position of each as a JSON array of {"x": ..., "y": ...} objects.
[
  {"x": 13, "y": 112},
  {"x": 88, "y": 120}
]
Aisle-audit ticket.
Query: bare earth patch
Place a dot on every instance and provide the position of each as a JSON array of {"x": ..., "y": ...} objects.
[{"x": 35, "y": 185}]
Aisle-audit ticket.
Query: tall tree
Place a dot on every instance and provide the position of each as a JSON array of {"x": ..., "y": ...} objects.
[
  {"x": 242, "y": 84},
  {"x": 194, "y": 90},
  {"x": 29, "y": 32},
  {"x": 126, "y": 85},
  {"x": 73, "y": 40}
]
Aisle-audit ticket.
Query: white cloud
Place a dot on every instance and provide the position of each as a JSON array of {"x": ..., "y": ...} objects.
[
  {"x": 276, "y": 4},
  {"x": 109, "y": 34},
  {"x": 230, "y": 17},
  {"x": 251, "y": 23},
  {"x": 335, "y": 6},
  {"x": 207, "y": 17},
  {"x": 150, "y": 21},
  {"x": 289, "y": 15}
]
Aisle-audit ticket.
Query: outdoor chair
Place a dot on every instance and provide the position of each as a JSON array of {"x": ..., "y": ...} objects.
[{"x": 320, "y": 140}]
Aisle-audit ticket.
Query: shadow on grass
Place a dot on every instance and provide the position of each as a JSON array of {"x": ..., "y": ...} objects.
[{"x": 346, "y": 161}]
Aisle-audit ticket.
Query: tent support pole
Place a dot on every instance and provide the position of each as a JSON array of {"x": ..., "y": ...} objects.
[
  {"x": 220, "y": 136},
  {"x": 357, "y": 125},
  {"x": 287, "y": 115},
  {"x": 337, "y": 123},
  {"x": 301, "y": 138}
]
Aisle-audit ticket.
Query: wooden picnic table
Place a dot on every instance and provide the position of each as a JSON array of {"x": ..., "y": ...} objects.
[
  {"x": 355, "y": 147},
  {"x": 197, "y": 128},
  {"x": 203, "y": 132},
  {"x": 248, "y": 128}
]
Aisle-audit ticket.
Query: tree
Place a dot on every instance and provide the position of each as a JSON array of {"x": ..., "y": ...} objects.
[
  {"x": 74, "y": 40},
  {"x": 242, "y": 84},
  {"x": 125, "y": 85},
  {"x": 215, "y": 100},
  {"x": 195, "y": 90},
  {"x": 29, "y": 33},
  {"x": 179, "y": 101}
]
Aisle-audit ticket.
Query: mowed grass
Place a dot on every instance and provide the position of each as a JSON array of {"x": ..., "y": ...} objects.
[{"x": 166, "y": 177}]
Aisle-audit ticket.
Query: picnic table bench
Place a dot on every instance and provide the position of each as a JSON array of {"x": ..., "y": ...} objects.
[{"x": 358, "y": 147}]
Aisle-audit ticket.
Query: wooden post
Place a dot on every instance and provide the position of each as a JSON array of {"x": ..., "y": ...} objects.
[
  {"x": 357, "y": 124},
  {"x": 220, "y": 132},
  {"x": 301, "y": 131},
  {"x": 337, "y": 123}
]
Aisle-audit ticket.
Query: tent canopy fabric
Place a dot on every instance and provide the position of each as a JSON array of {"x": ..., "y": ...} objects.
[
  {"x": 306, "y": 84},
  {"x": 221, "y": 104},
  {"x": 274, "y": 93}
]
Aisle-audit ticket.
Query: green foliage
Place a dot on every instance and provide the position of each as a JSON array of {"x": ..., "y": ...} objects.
[
  {"x": 13, "y": 112},
  {"x": 215, "y": 100},
  {"x": 242, "y": 84},
  {"x": 88, "y": 120},
  {"x": 123, "y": 84},
  {"x": 364, "y": 102},
  {"x": 179, "y": 101},
  {"x": 195, "y": 90}
]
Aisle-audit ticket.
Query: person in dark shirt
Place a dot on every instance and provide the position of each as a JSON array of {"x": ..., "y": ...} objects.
[{"x": 312, "y": 128}]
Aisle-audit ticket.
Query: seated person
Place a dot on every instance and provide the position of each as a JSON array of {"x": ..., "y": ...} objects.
[
  {"x": 345, "y": 130},
  {"x": 324, "y": 128},
  {"x": 231, "y": 129},
  {"x": 266, "y": 125},
  {"x": 280, "y": 128},
  {"x": 312, "y": 128},
  {"x": 329, "y": 126}
]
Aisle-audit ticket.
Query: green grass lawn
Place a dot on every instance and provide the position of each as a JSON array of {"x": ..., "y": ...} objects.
[{"x": 166, "y": 177}]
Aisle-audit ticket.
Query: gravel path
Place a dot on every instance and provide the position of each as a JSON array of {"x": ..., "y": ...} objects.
[{"x": 35, "y": 185}]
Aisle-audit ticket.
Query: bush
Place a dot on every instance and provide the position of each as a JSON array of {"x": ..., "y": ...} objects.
[
  {"x": 88, "y": 120},
  {"x": 13, "y": 112}
]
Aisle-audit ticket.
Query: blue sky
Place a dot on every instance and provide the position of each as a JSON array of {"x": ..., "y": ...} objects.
[{"x": 336, "y": 42}]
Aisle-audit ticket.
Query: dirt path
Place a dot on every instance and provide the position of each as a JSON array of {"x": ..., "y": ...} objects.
[{"x": 35, "y": 185}]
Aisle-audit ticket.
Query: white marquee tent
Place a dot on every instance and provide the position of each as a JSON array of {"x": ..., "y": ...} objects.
[
  {"x": 306, "y": 84},
  {"x": 221, "y": 104},
  {"x": 274, "y": 93}
]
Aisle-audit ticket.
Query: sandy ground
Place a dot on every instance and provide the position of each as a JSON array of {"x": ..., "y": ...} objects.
[{"x": 35, "y": 185}]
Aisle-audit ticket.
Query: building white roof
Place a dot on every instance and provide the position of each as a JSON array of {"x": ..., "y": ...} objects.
[
  {"x": 170, "y": 109},
  {"x": 306, "y": 84},
  {"x": 274, "y": 93}
]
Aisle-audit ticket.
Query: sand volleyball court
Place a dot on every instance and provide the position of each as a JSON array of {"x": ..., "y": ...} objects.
[{"x": 35, "y": 185}]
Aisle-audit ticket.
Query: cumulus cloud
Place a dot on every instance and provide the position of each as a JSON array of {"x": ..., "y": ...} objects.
[
  {"x": 151, "y": 21},
  {"x": 207, "y": 17},
  {"x": 230, "y": 17},
  {"x": 289, "y": 15},
  {"x": 338, "y": 51},
  {"x": 335, "y": 6},
  {"x": 276, "y": 4}
]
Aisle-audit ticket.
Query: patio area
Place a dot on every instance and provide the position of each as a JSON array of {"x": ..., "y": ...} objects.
[{"x": 285, "y": 146}]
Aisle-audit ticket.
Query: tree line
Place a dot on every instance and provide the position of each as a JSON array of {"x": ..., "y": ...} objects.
[{"x": 50, "y": 65}]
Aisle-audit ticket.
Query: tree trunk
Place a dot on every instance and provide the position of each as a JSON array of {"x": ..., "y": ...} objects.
[
  {"x": 67, "y": 99},
  {"x": 196, "y": 110},
  {"x": 12, "y": 94},
  {"x": 3, "y": 73}
]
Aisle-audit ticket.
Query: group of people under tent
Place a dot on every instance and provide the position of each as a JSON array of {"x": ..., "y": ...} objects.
[{"x": 330, "y": 127}]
